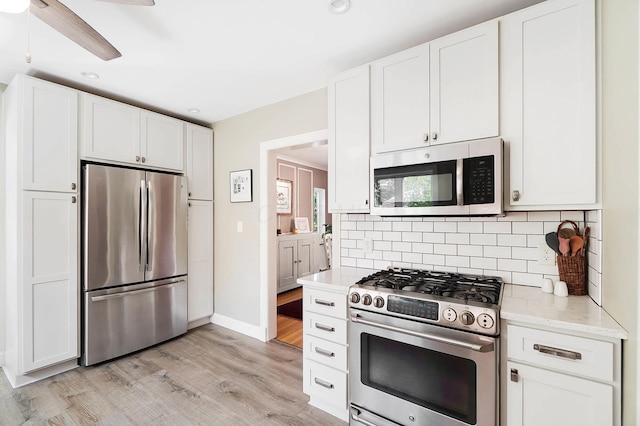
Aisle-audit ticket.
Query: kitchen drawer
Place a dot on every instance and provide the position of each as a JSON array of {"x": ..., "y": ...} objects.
[
  {"x": 557, "y": 350},
  {"x": 325, "y": 352},
  {"x": 325, "y": 302},
  {"x": 325, "y": 383},
  {"x": 329, "y": 328}
]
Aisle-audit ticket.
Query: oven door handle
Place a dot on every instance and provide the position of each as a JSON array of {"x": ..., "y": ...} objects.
[{"x": 487, "y": 347}]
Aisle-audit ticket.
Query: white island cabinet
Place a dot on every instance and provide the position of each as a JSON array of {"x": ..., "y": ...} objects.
[
  {"x": 562, "y": 360},
  {"x": 200, "y": 223},
  {"x": 325, "y": 341},
  {"x": 40, "y": 170}
]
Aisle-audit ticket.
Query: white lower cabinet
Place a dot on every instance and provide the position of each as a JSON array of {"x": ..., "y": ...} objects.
[
  {"x": 325, "y": 367},
  {"x": 558, "y": 379},
  {"x": 200, "y": 254}
]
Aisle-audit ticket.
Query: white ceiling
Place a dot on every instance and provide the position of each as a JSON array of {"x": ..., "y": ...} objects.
[{"x": 226, "y": 57}]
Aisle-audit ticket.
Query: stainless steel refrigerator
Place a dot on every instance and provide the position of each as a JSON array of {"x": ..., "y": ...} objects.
[{"x": 134, "y": 260}]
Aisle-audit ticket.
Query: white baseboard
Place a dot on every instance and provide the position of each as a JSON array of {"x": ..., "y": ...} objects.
[
  {"x": 198, "y": 322},
  {"x": 17, "y": 381},
  {"x": 250, "y": 330}
]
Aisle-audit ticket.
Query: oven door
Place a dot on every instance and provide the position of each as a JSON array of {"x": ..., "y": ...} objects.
[{"x": 412, "y": 373}]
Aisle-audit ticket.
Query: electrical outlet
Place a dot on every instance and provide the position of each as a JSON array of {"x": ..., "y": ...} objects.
[{"x": 546, "y": 255}]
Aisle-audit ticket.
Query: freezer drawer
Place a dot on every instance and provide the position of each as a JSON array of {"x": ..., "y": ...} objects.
[{"x": 121, "y": 320}]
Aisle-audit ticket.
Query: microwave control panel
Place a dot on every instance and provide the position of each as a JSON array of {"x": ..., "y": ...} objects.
[{"x": 479, "y": 175}]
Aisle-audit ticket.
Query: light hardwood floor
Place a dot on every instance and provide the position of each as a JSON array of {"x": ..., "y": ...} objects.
[
  {"x": 289, "y": 329},
  {"x": 210, "y": 376}
]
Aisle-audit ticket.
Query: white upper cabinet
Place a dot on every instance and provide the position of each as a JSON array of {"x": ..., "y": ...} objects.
[
  {"x": 47, "y": 124},
  {"x": 439, "y": 92},
  {"x": 464, "y": 85},
  {"x": 118, "y": 132},
  {"x": 200, "y": 162},
  {"x": 400, "y": 100},
  {"x": 348, "y": 175},
  {"x": 162, "y": 141},
  {"x": 548, "y": 104}
]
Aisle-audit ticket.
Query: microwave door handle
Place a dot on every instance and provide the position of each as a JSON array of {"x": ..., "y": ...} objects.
[
  {"x": 459, "y": 182},
  {"x": 487, "y": 347}
]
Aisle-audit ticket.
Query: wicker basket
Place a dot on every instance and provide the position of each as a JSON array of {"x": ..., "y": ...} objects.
[{"x": 573, "y": 269}]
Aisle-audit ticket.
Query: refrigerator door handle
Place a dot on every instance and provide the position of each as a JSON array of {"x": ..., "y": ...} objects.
[
  {"x": 131, "y": 293},
  {"x": 148, "y": 232},
  {"x": 142, "y": 229}
]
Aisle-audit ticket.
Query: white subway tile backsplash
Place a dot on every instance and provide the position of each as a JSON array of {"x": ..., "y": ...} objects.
[
  {"x": 445, "y": 227},
  {"x": 499, "y": 246},
  {"x": 470, "y": 227},
  {"x": 497, "y": 228},
  {"x": 445, "y": 249},
  {"x": 510, "y": 240},
  {"x": 401, "y": 226},
  {"x": 484, "y": 239}
]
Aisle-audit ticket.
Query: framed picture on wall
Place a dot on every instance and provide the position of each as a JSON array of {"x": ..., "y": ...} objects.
[
  {"x": 283, "y": 196},
  {"x": 241, "y": 186}
]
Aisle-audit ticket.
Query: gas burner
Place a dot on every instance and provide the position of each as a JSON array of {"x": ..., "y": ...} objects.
[{"x": 473, "y": 294}]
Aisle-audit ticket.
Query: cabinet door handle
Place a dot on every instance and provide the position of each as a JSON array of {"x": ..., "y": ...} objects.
[
  {"x": 425, "y": 137},
  {"x": 325, "y": 352},
  {"x": 137, "y": 158},
  {"x": 562, "y": 353},
  {"x": 515, "y": 195},
  {"x": 323, "y": 383},
  {"x": 325, "y": 328},
  {"x": 73, "y": 186},
  {"x": 324, "y": 302},
  {"x": 366, "y": 202},
  {"x": 514, "y": 375},
  {"x": 144, "y": 159},
  {"x": 73, "y": 199},
  {"x": 435, "y": 136}
]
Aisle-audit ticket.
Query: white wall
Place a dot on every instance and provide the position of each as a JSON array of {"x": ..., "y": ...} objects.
[
  {"x": 236, "y": 147},
  {"x": 621, "y": 194},
  {"x": 2, "y": 248}
]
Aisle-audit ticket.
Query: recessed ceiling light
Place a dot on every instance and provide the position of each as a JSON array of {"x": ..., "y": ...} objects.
[
  {"x": 91, "y": 75},
  {"x": 339, "y": 6},
  {"x": 193, "y": 110}
]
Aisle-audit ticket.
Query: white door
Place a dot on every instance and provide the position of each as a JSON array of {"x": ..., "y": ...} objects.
[
  {"x": 348, "y": 174},
  {"x": 162, "y": 141},
  {"x": 49, "y": 136},
  {"x": 200, "y": 285},
  {"x": 400, "y": 100},
  {"x": 542, "y": 397},
  {"x": 200, "y": 162},
  {"x": 548, "y": 103},
  {"x": 464, "y": 85},
  {"x": 110, "y": 130},
  {"x": 50, "y": 288}
]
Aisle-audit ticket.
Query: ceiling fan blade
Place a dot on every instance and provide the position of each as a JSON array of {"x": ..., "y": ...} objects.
[
  {"x": 66, "y": 22},
  {"x": 133, "y": 2}
]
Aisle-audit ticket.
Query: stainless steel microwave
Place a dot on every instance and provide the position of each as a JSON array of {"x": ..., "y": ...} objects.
[{"x": 457, "y": 179}]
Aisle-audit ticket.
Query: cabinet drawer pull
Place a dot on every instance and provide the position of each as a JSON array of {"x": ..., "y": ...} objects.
[
  {"x": 323, "y": 383},
  {"x": 324, "y": 352},
  {"x": 562, "y": 353},
  {"x": 325, "y": 328},
  {"x": 324, "y": 302},
  {"x": 73, "y": 199}
]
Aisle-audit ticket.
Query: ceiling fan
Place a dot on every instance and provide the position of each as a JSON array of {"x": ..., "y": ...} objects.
[{"x": 66, "y": 22}]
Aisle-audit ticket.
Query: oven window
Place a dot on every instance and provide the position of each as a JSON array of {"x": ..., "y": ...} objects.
[
  {"x": 434, "y": 380},
  {"x": 418, "y": 185}
]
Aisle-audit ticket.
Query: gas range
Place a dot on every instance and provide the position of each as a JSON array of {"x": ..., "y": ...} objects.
[{"x": 460, "y": 301}]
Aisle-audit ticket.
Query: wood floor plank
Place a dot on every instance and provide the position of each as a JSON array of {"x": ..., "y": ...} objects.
[{"x": 210, "y": 376}]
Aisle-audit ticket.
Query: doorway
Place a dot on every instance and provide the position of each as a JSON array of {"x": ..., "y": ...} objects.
[{"x": 268, "y": 225}]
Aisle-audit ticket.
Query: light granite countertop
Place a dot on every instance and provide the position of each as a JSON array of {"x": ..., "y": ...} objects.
[
  {"x": 527, "y": 305},
  {"x": 574, "y": 313}
]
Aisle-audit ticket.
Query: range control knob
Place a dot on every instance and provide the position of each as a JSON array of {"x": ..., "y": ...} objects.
[
  {"x": 378, "y": 302},
  {"x": 355, "y": 298},
  {"x": 449, "y": 314},
  {"x": 366, "y": 299},
  {"x": 467, "y": 318}
]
